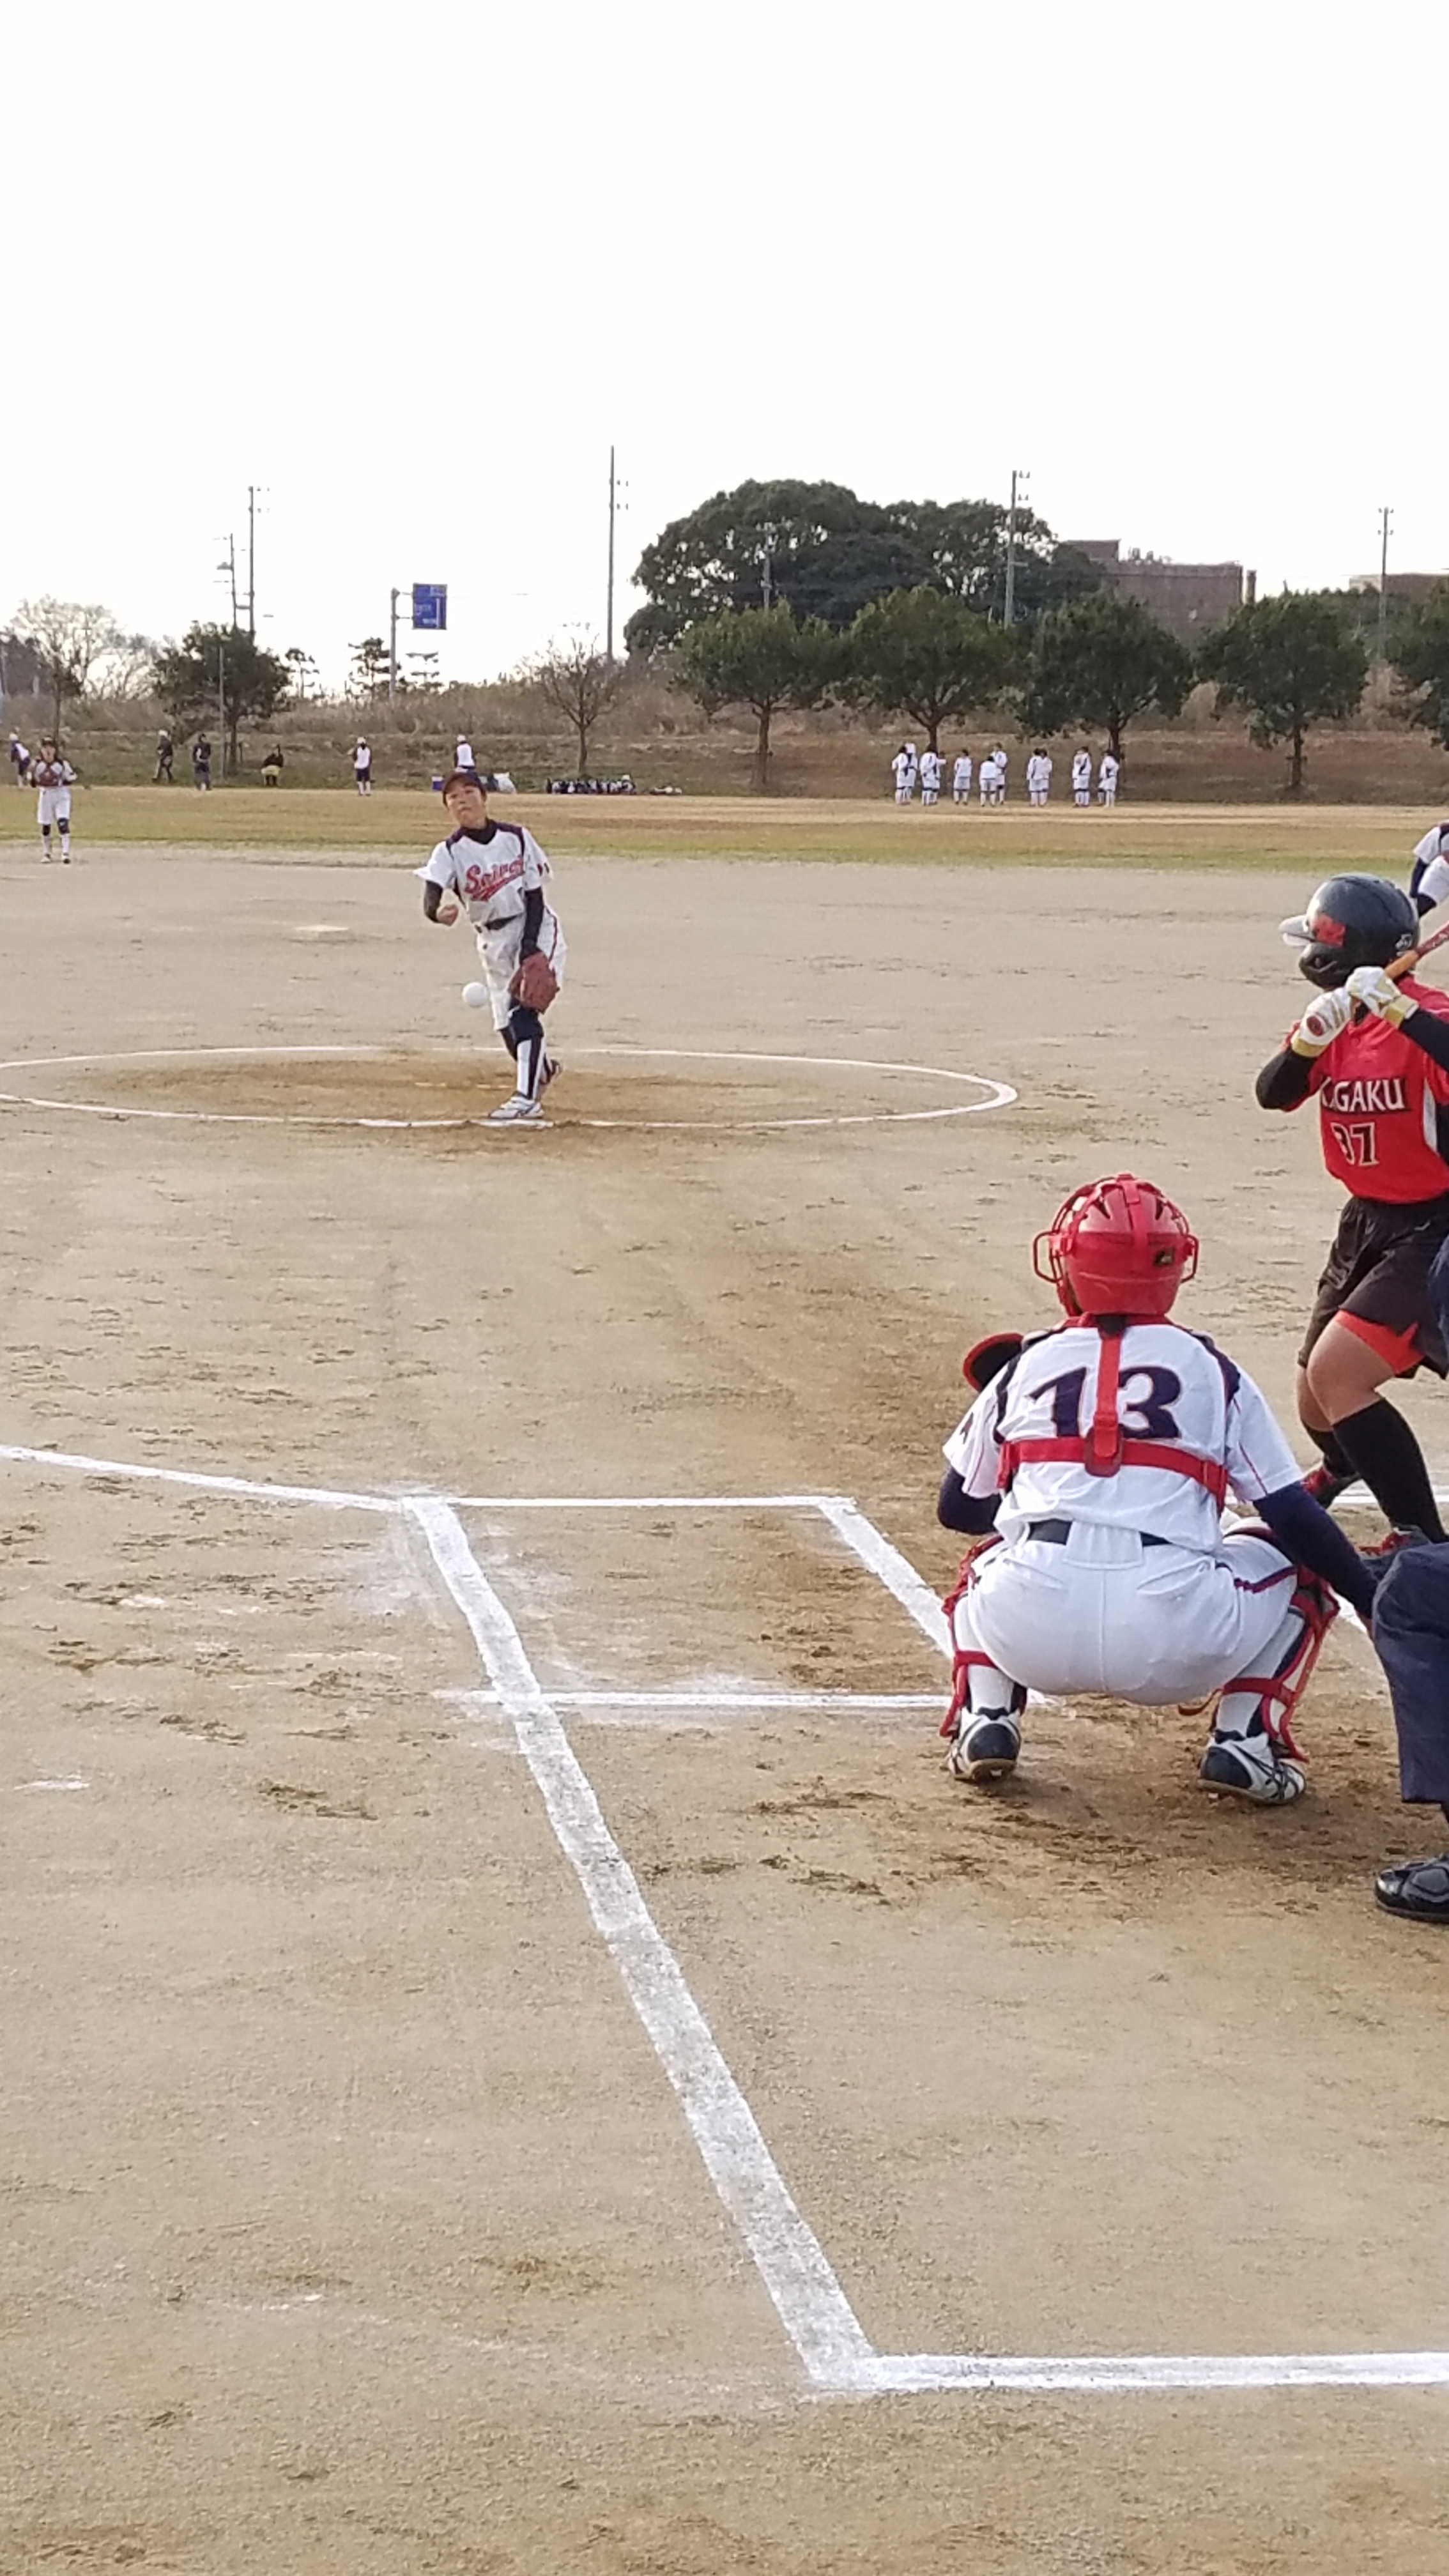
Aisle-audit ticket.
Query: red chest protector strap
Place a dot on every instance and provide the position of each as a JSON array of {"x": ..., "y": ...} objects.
[{"x": 1105, "y": 1450}]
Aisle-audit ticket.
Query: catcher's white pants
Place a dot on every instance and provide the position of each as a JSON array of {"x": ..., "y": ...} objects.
[
  {"x": 1109, "y": 1618},
  {"x": 498, "y": 954},
  {"x": 53, "y": 806}
]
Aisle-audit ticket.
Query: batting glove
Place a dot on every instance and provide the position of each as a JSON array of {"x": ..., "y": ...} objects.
[
  {"x": 1322, "y": 1022},
  {"x": 1380, "y": 994}
]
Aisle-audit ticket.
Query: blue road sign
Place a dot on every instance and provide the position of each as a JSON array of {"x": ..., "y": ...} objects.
[{"x": 430, "y": 605}]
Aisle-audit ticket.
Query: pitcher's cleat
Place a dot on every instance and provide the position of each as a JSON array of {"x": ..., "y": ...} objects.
[
  {"x": 985, "y": 1747},
  {"x": 517, "y": 1112},
  {"x": 1253, "y": 1767},
  {"x": 1325, "y": 1487}
]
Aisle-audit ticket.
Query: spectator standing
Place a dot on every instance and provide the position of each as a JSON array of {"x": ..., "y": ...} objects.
[
  {"x": 201, "y": 762},
  {"x": 165, "y": 754},
  {"x": 272, "y": 766},
  {"x": 1107, "y": 772},
  {"x": 362, "y": 765}
]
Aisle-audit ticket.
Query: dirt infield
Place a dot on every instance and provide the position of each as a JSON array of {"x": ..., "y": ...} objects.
[{"x": 375, "y": 2204}]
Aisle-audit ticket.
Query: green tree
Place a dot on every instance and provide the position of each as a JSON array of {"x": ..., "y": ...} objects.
[
  {"x": 1420, "y": 655},
  {"x": 762, "y": 658},
  {"x": 68, "y": 638},
  {"x": 1291, "y": 663},
  {"x": 1101, "y": 660},
  {"x": 370, "y": 670},
  {"x": 219, "y": 667},
  {"x": 924, "y": 654},
  {"x": 827, "y": 554}
]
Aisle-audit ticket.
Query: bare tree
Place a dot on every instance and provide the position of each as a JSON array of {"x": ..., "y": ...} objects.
[
  {"x": 126, "y": 669},
  {"x": 68, "y": 639},
  {"x": 579, "y": 682}
]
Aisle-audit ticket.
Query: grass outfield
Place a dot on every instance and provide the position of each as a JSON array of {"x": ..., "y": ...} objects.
[{"x": 1316, "y": 838}]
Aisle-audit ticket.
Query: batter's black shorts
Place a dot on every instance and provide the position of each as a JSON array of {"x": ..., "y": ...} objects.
[{"x": 1377, "y": 1278}]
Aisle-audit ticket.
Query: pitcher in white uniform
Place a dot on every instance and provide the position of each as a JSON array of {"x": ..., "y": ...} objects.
[
  {"x": 497, "y": 873},
  {"x": 1094, "y": 1462}
]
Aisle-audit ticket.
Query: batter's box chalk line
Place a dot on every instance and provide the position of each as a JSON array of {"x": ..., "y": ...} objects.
[
  {"x": 992, "y": 1094},
  {"x": 835, "y": 2353}
]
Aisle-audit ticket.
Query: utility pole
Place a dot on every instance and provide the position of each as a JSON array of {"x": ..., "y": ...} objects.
[
  {"x": 1386, "y": 519},
  {"x": 221, "y": 699},
  {"x": 392, "y": 601},
  {"x": 251, "y": 563},
  {"x": 1019, "y": 475},
  {"x": 609, "y": 606},
  {"x": 228, "y": 566}
]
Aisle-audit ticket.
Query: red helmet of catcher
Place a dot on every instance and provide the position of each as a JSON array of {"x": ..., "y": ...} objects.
[{"x": 1117, "y": 1247}]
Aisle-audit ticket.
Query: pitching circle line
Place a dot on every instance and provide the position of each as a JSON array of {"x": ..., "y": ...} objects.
[{"x": 996, "y": 1095}]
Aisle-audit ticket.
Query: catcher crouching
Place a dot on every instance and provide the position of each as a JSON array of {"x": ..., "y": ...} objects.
[{"x": 498, "y": 873}]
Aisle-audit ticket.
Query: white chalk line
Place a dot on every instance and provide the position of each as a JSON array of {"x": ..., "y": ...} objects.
[
  {"x": 810, "y": 2303},
  {"x": 847, "y": 1702},
  {"x": 822, "y": 2326},
  {"x": 997, "y": 1095}
]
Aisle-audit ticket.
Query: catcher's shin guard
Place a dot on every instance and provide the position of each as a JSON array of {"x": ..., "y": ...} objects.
[{"x": 1269, "y": 1700}]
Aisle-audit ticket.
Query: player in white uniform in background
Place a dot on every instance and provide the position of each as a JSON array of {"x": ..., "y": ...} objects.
[
  {"x": 961, "y": 779},
  {"x": 19, "y": 762},
  {"x": 55, "y": 778},
  {"x": 903, "y": 770},
  {"x": 930, "y": 777},
  {"x": 998, "y": 763},
  {"x": 498, "y": 871},
  {"x": 463, "y": 753},
  {"x": 362, "y": 765},
  {"x": 1082, "y": 776},
  {"x": 1429, "y": 880},
  {"x": 1039, "y": 777},
  {"x": 1108, "y": 769},
  {"x": 1099, "y": 1455},
  {"x": 986, "y": 779}
]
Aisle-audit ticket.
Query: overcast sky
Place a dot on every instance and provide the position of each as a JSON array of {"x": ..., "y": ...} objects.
[{"x": 413, "y": 269}]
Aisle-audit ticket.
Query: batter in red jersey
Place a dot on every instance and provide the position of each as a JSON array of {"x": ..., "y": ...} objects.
[{"x": 1374, "y": 1052}]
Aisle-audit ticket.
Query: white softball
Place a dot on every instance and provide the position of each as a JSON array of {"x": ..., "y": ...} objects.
[{"x": 475, "y": 995}]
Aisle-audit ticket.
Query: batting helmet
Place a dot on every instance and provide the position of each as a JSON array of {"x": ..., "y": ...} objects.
[
  {"x": 1352, "y": 921},
  {"x": 1117, "y": 1247}
]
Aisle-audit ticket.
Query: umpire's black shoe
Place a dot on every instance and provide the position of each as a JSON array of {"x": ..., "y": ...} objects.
[{"x": 1418, "y": 1888}]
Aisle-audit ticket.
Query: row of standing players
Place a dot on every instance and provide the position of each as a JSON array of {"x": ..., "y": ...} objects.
[
  {"x": 927, "y": 768},
  {"x": 26, "y": 767},
  {"x": 1091, "y": 1469}
]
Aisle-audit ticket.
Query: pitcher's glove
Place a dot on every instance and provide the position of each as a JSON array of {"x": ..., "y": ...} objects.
[{"x": 535, "y": 985}]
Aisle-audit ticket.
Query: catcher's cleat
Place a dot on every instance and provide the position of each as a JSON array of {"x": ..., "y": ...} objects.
[
  {"x": 985, "y": 1746},
  {"x": 1416, "y": 1888},
  {"x": 1253, "y": 1767},
  {"x": 520, "y": 1111},
  {"x": 1325, "y": 1487},
  {"x": 1405, "y": 1536}
]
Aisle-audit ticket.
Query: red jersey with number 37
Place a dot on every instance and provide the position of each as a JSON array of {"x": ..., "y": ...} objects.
[{"x": 1384, "y": 1108}]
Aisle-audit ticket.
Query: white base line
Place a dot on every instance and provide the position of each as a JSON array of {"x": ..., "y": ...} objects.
[
  {"x": 817, "y": 2316},
  {"x": 811, "y": 2305}
]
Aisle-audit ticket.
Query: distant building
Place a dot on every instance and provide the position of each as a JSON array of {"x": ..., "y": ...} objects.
[
  {"x": 1187, "y": 598},
  {"x": 1414, "y": 586}
]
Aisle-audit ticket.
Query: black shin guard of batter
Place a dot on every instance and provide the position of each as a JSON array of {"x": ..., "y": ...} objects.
[
  {"x": 1380, "y": 1445},
  {"x": 1334, "y": 1455}
]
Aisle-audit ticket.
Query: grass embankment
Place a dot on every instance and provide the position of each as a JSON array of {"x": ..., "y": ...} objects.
[{"x": 1317, "y": 839}]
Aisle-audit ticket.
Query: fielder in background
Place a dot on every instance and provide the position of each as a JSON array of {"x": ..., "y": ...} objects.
[
  {"x": 1093, "y": 1464},
  {"x": 1082, "y": 776},
  {"x": 1038, "y": 778},
  {"x": 498, "y": 872},
  {"x": 961, "y": 779},
  {"x": 1429, "y": 878},
  {"x": 1109, "y": 770},
  {"x": 362, "y": 765},
  {"x": 930, "y": 777},
  {"x": 19, "y": 762},
  {"x": 55, "y": 778},
  {"x": 1374, "y": 1052}
]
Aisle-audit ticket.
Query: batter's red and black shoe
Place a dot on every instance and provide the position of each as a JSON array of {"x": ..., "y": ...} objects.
[
  {"x": 1407, "y": 1536},
  {"x": 1325, "y": 1487}
]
